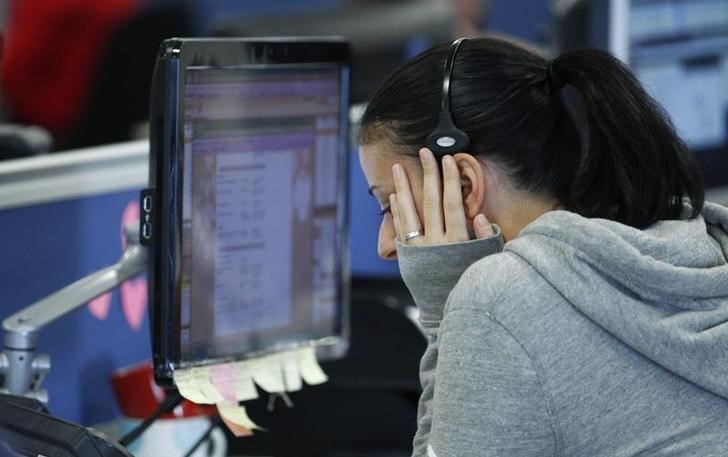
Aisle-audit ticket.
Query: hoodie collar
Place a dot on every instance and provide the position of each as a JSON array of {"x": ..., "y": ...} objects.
[{"x": 677, "y": 259}]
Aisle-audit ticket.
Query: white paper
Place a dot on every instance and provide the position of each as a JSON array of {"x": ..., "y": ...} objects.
[
  {"x": 238, "y": 415},
  {"x": 310, "y": 370},
  {"x": 268, "y": 374},
  {"x": 291, "y": 373},
  {"x": 244, "y": 386}
]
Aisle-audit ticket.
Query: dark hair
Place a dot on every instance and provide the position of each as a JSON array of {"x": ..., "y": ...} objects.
[{"x": 626, "y": 163}]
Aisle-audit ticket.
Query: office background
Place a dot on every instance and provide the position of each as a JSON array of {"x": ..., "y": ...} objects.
[{"x": 53, "y": 236}]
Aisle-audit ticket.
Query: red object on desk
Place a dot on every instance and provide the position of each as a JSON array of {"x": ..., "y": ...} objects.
[{"x": 138, "y": 396}]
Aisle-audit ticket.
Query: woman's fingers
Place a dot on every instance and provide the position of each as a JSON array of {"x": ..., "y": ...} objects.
[
  {"x": 452, "y": 202},
  {"x": 482, "y": 227},
  {"x": 408, "y": 218},
  {"x": 443, "y": 210},
  {"x": 431, "y": 196},
  {"x": 394, "y": 209}
]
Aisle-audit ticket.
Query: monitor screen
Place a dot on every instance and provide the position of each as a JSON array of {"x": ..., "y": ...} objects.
[
  {"x": 679, "y": 51},
  {"x": 250, "y": 253},
  {"x": 259, "y": 209}
]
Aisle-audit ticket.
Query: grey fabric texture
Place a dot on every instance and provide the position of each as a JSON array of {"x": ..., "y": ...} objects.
[
  {"x": 580, "y": 337},
  {"x": 433, "y": 271}
]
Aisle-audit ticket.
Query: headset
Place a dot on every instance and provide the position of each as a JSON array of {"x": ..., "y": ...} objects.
[{"x": 447, "y": 138}]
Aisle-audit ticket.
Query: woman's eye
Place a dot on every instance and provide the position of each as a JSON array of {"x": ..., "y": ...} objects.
[{"x": 385, "y": 210}]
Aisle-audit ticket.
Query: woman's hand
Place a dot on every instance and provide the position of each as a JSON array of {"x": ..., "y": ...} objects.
[{"x": 444, "y": 215}]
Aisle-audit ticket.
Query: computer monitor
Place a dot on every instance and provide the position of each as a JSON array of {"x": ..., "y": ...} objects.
[
  {"x": 246, "y": 211},
  {"x": 679, "y": 51}
]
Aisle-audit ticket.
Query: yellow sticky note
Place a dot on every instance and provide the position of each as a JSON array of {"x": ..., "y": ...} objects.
[
  {"x": 291, "y": 373},
  {"x": 237, "y": 430},
  {"x": 187, "y": 382},
  {"x": 194, "y": 385},
  {"x": 310, "y": 370},
  {"x": 237, "y": 415},
  {"x": 244, "y": 386},
  {"x": 211, "y": 393},
  {"x": 267, "y": 373}
]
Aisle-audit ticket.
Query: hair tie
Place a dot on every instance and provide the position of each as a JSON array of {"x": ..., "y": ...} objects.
[{"x": 553, "y": 77}]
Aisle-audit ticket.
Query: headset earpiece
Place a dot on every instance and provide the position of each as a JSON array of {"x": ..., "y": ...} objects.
[{"x": 447, "y": 138}]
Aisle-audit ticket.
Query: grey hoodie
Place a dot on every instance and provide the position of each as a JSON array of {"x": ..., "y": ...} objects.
[{"x": 581, "y": 337}]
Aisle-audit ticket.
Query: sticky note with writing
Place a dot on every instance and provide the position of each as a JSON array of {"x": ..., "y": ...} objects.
[
  {"x": 194, "y": 385},
  {"x": 223, "y": 378}
]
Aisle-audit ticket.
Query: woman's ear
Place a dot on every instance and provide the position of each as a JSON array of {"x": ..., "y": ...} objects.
[{"x": 472, "y": 178}]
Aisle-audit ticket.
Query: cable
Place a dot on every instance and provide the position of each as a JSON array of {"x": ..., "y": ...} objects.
[
  {"x": 214, "y": 423},
  {"x": 173, "y": 399}
]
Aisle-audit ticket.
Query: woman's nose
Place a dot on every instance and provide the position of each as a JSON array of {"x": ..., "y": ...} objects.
[{"x": 387, "y": 248}]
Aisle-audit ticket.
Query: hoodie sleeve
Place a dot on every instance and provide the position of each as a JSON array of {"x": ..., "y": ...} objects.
[
  {"x": 488, "y": 399},
  {"x": 430, "y": 273}
]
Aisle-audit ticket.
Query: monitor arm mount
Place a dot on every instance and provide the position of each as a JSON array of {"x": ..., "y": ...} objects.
[{"x": 21, "y": 368}]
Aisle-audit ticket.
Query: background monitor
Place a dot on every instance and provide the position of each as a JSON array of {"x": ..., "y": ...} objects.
[
  {"x": 678, "y": 49},
  {"x": 247, "y": 201}
]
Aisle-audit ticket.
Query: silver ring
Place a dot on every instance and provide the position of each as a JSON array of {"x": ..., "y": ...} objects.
[{"x": 408, "y": 236}]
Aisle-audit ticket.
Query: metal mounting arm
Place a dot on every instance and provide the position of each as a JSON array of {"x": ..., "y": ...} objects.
[{"x": 22, "y": 368}]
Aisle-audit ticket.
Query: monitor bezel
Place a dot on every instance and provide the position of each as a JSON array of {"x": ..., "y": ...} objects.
[{"x": 166, "y": 173}]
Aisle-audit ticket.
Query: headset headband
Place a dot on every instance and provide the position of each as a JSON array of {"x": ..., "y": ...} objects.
[
  {"x": 449, "y": 65},
  {"x": 446, "y": 137}
]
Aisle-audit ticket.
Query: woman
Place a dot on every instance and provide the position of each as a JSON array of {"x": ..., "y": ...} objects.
[{"x": 572, "y": 283}]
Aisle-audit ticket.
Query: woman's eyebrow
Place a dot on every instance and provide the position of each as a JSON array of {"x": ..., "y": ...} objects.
[{"x": 372, "y": 189}]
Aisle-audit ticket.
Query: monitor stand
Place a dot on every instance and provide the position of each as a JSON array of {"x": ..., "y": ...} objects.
[{"x": 21, "y": 368}]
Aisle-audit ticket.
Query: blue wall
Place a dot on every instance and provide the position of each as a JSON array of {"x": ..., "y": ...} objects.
[
  {"x": 209, "y": 12},
  {"x": 525, "y": 19},
  {"x": 364, "y": 221},
  {"x": 46, "y": 247}
]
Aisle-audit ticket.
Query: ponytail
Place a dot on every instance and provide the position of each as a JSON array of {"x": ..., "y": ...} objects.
[{"x": 634, "y": 168}]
